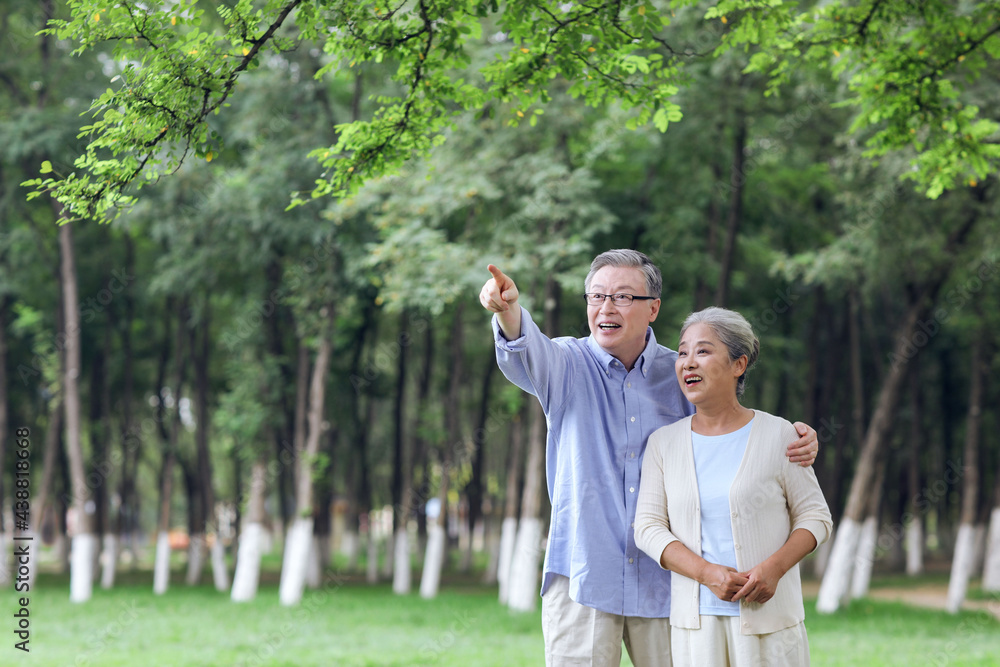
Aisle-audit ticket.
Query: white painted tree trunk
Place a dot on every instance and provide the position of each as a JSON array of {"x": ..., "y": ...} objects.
[
  {"x": 522, "y": 589},
  {"x": 864, "y": 560},
  {"x": 350, "y": 547},
  {"x": 220, "y": 575},
  {"x": 196, "y": 559},
  {"x": 837, "y": 578},
  {"x": 109, "y": 561},
  {"x": 388, "y": 570},
  {"x": 401, "y": 562},
  {"x": 430, "y": 578},
  {"x": 248, "y": 554},
  {"x": 161, "y": 566},
  {"x": 991, "y": 565},
  {"x": 492, "y": 545},
  {"x": 915, "y": 547},
  {"x": 822, "y": 558},
  {"x": 508, "y": 535},
  {"x": 371, "y": 571},
  {"x": 961, "y": 567},
  {"x": 295, "y": 561},
  {"x": 81, "y": 577},
  {"x": 314, "y": 565}
]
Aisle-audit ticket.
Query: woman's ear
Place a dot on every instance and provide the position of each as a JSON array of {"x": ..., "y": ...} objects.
[{"x": 740, "y": 366}]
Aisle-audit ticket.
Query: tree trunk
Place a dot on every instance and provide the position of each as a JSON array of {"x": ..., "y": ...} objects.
[
  {"x": 915, "y": 526},
  {"x": 508, "y": 530},
  {"x": 991, "y": 564},
  {"x": 836, "y": 578},
  {"x": 322, "y": 526},
  {"x": 714, "y": 220},
  {"x": 737, "y": 185},
  {"x": 963, "y": 561},
  {"x": 402, "y": 472},
  {"x": 251, "y": 544},
  {"x": 437, "y": 542},
  {"x": 298, "y": 543},
  {"x": 430, "y": 578},
  {"x": 908, "y": 345},
  {"x": 522, "y": 590},
  {"x": 864, "y": 559},
  {"x": 161, "y": 566},
  {"x": 474, "y": 488},
  {"x": 84, "y": 539},
  {"x": 130, "y": 441}
]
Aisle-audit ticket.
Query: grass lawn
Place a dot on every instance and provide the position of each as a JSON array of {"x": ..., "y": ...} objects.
[{"x": 350, "y": 623}]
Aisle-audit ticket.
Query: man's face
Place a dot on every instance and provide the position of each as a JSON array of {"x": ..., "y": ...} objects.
[{"x": 621, "y": 331}]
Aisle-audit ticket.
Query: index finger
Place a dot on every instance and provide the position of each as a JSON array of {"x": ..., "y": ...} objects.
[
  {"x": 497, "y": 274},
  {"x": 743, "y": 592}
]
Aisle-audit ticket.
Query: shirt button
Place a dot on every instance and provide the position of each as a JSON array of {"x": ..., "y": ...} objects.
[
  {"x": 736, "y": 546},
  {"x": 734, "y": 515},
  {"x": 629, "y": 560},
  {"x": 629, "y": 385},
  {"x": 633, "y": 418},
  {"x": 631, "y": 489},
  {"x": 632, "y": 455}
]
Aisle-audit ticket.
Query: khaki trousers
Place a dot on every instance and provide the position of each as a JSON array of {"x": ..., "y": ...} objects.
[
  {"x": 719, "y": 643},
  {"x": 577, "y": 635}
]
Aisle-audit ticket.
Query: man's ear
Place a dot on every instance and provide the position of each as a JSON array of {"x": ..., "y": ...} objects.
[{"x": 654, "y": 309}]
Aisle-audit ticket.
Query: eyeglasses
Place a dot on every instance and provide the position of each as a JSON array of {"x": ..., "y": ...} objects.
[{"x": 595, "y": 299}]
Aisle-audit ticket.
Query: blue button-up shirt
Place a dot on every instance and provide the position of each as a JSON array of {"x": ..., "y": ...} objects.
[{"x": 599, "y": 417}]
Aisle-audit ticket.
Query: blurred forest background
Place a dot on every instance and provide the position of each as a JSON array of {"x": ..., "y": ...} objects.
[{"x": 248, "y": 372}]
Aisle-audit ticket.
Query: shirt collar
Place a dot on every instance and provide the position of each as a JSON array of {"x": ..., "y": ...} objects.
[{"x": 643, "y": 363}]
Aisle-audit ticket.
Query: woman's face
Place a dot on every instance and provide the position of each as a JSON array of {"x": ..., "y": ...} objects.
[{"x": 703, "y": 367}]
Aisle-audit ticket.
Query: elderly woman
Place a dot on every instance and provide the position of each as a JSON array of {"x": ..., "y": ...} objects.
[{"x": 723, "y": 509}]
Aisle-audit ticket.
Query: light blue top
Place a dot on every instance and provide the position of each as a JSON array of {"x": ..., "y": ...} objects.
[
  {"x": 599, "y": 417},
  {"x": 717, "y": 458}
]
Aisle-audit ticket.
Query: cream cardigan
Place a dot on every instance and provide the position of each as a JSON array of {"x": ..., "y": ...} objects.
[{"x": 770, "y": 497}]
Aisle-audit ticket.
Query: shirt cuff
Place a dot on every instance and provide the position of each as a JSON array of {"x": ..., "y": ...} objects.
[{"x": 518, "y": 344}]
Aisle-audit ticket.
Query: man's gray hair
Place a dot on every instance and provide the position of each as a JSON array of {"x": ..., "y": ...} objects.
[
  {"x": 735, "y": 333},
  {"x": 628, "y": 259}
]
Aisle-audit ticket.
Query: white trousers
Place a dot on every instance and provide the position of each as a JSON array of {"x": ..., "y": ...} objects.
[
  {"x": 577, "y": 635},
  {"x": 719, "y": 644}
]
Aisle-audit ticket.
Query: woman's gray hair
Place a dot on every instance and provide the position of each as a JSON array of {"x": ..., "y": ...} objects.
[
  {"x": 735, "y": 333},
  {"x": 628, "y": 259}
]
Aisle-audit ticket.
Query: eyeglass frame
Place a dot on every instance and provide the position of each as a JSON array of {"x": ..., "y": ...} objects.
[{"x": 604, "y": 297}]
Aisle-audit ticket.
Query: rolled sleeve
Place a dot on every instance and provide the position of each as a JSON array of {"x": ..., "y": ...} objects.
[{"x": 518, "y": 344}]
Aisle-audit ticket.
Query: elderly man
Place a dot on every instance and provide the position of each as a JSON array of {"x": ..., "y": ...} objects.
[{"x": 603, "y": 396}]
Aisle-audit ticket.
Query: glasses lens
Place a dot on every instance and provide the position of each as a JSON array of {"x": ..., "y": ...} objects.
[{"x": 622, "y": 299}]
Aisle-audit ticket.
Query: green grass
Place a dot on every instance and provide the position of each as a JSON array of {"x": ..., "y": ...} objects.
[{"x": 349, "y": 623}]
